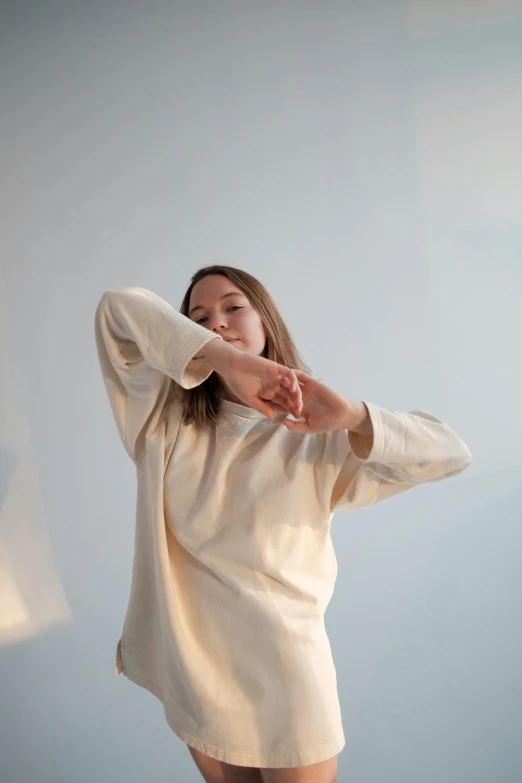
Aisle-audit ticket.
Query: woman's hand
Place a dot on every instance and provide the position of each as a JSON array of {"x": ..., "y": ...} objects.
[
  {"x": 262, "y": 384},
  {"x": 323, "y": 409}
]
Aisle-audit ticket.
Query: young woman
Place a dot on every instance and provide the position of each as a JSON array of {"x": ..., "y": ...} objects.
[{"x": 233, "y": 561}]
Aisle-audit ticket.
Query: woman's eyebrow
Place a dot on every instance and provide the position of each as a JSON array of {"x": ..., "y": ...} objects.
[{"x": 230, "y": 293}]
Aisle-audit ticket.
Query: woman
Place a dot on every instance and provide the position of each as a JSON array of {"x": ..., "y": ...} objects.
[{"x": 233, "y": 562}]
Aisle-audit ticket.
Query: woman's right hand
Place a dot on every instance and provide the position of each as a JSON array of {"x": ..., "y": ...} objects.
[
  {"x": 264, "y": 385},
  {"x": 260, "y": 383}
]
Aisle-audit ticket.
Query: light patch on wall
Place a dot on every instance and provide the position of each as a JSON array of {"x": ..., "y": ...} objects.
[
  {"x": 14, "y": 616},
  {"x": 32, "y": 599}
]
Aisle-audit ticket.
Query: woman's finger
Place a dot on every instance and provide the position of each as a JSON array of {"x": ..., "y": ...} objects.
[
  {"x": 287, "y": 386},
  {"x": 280, "y": 402},
  {"x": 295, "y": 426},
  {"x": 287, "y": 400},
  {"x": 284, "y": 385},
  {"x": 291, "y": 382},
  {"x": 292, "y": 400},
  {"x": 278, "y": 408},
  {"x": 290, "y": 391},
  {"x": 263, "y": 407}
]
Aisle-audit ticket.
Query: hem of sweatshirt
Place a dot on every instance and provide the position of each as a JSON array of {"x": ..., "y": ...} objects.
[{"x": 243, "y": 759}]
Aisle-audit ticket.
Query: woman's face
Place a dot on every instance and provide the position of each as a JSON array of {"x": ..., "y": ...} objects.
[{"x": 221, "y": 307}]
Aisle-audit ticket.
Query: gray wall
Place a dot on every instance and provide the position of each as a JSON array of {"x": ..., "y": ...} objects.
[{"x": 364, "y": 161}]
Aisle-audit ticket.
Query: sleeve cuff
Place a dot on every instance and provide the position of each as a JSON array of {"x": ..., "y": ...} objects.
[{"x": 361, "y": 445}]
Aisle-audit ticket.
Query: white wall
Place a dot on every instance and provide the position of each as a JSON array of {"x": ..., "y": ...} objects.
[{"x": 364, "y": 161}]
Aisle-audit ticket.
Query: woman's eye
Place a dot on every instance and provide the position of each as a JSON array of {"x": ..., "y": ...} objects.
[{"x": 234, "y": 307}]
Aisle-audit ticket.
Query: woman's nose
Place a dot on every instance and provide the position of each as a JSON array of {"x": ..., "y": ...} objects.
[{"x": 217, "y": 323}]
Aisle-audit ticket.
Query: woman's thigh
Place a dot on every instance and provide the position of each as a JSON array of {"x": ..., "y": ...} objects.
[
  {"x": 323, "y": 772},
  {"x": 215, "y": 771}
]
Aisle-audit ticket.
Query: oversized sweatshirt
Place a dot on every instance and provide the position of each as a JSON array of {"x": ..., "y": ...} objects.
[{"x": 234, "y": 565}]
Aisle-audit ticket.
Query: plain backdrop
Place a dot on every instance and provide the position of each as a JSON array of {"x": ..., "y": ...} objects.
[{"x": 363, "y": 160}]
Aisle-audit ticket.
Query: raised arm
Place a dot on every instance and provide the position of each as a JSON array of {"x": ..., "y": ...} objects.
[{"x": 143, "y": 344}]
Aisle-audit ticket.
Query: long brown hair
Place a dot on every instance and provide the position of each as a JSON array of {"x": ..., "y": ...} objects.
[{"x": 201, "y": 404}]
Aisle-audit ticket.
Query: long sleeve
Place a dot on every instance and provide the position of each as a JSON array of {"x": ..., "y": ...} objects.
[
  {"x": 408, "y": 449},
  {"x": 143, "y": 344}
]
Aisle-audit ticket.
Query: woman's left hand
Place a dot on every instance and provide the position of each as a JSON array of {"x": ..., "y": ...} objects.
[{"x": 323, "y": 409}]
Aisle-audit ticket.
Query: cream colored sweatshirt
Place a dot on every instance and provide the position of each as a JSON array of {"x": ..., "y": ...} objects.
[{"x": 233, "y": 560}]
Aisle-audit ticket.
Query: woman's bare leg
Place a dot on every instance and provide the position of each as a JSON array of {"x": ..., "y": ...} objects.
[
  {"x": 215, "y": 771},
  {"x": 323, "y": 772}
]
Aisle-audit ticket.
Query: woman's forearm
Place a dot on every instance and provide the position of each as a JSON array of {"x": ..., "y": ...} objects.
[{"x": 218, "y": 354}]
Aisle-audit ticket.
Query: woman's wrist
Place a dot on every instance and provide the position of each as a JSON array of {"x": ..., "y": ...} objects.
[
  {"x": 357, "y": 418},
  {"x": 217, "y": 354}
]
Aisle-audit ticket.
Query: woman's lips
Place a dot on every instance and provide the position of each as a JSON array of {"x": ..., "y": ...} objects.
[{"x": 229, "y": 339}]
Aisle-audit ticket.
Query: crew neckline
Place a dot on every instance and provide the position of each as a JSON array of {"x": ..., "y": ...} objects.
[{"x": 245, "y": 411}]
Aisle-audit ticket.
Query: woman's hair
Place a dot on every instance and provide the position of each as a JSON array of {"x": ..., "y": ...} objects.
[{"x": 200, "y": 405}]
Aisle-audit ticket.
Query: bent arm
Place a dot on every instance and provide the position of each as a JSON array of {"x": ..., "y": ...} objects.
[{"x": 143, "y": 344}]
